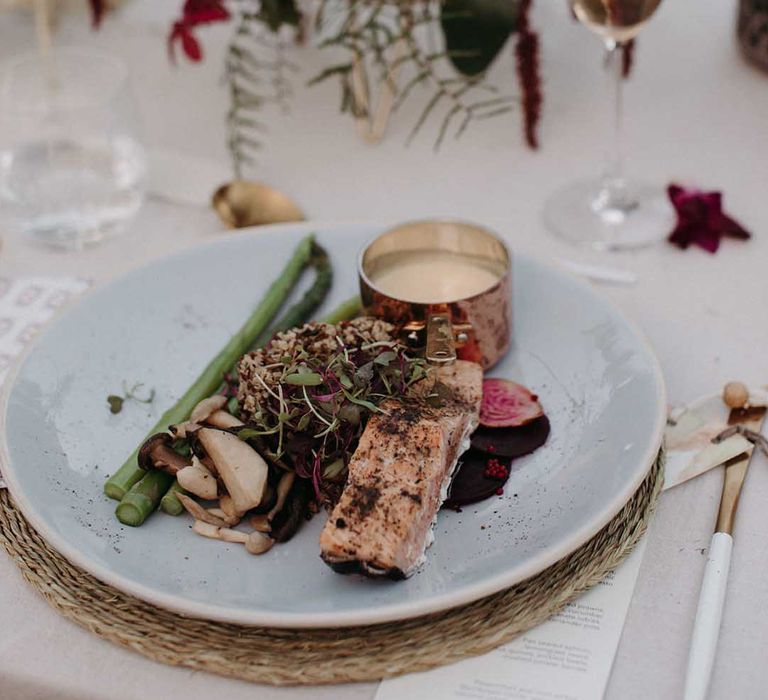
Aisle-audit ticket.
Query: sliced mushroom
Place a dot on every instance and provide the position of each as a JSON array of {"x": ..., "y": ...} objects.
[
  {"x": 240, "y": 467},
  {"x": 157, "y": 453},
  {"x": 283, "y": 487},
  {"x": 228, "y": 506},
  {"x": 261, "y": 523},
  {"x": 269, "y": 500},
  {"x": 229, "y": 535},
  {"x": 258, "y": 543},
  {"x": 201, "y": 527},
  {"x": 295, "y": 511},
  {"x": 255, "y": 542},
  {"x": 182, "y": 430},
  {"x": 230, "y": 520},
  {"x": 219, "y": 533},
  {"x": 224, "y": 420},
  {"x": 199, "y": 451},
  {"x": 206, "y": 407},
  {"x": 198, "y": 480},
  {"x": 198, "y": 512}
]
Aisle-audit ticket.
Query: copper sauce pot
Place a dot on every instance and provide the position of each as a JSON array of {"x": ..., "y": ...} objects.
[{"x": 476, "y": 326}]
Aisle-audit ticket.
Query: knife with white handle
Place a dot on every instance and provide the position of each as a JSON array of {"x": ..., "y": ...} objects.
[{"x": 709, "y": 614}]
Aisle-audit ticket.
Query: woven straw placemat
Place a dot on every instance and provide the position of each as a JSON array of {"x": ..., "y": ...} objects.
[{"x": 292, "y": 657}]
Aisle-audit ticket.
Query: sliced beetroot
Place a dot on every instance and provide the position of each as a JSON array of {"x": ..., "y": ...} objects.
[
  {"x": 511, "y": 442},
  {"x": 507, "y": 404},
  {"x": 472, "y": 482}
]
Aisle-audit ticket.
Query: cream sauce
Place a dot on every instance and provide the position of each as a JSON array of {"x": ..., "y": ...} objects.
[{"x": 429, "y": 277}]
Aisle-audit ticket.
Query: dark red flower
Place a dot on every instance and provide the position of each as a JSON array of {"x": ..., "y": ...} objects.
[
  {"x": 701, "y": 220},
  {"x": 194, "y": 13},
  {"x": 627, "y": 58},
  {"x": 98, "y": 8},
  {"x": 527, "y": 54}
]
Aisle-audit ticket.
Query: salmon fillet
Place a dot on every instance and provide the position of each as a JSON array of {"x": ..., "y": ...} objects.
[{"x": 399, "y": 476}]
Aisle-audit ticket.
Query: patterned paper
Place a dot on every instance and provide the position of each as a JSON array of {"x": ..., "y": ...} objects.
[{"x": 26, "y": 305}]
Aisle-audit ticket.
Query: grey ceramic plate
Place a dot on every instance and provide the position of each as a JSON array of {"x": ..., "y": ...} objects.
[{"x": 598, "y": 379}]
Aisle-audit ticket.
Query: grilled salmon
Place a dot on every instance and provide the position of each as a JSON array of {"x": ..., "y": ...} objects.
[{"x": 400, "y": 473}]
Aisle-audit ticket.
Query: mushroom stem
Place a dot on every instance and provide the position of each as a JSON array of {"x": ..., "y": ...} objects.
[
  {"x": 198, "y": 512},
  {"x": 215, "y": 532},
  {"x": 283, "y": 487}
]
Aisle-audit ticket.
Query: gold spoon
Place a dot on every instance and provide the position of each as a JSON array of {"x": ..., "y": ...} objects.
[{"x": 243, "y": 203}]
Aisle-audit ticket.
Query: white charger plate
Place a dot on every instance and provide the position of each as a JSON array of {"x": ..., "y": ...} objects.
[{"x": 598, "y": 379}]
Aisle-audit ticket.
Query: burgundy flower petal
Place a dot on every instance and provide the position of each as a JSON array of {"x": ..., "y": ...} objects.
[
  {"x": 98, "y": 8},
  {"x": 701, "y": 220},
  {"x": 195, "y": 12},
  {"x": 205, "y": 11},
  {"x": 731, "y": 227},
  {"x": 674, "y": 192},
  {"x": 191, "y": 46},
  {"x": 683, "y": 235},
  {"x": 180, "y": 32}
]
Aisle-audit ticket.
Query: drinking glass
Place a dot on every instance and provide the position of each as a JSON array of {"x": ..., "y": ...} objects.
[
  {"x": 611, "y": 212},
  {"x": 72, "y": 169}
]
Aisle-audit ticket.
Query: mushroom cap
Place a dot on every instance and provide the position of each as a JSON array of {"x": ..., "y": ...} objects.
[
  {"x": 258, "y": 542},
  {"x": 157, "y": 453},
  {"x": 145, "y": 451}
]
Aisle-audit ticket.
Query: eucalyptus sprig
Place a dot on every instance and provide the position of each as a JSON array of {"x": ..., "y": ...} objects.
[
  {"x": 257, "y": 73},
  {"x": 397, "y": 36}
]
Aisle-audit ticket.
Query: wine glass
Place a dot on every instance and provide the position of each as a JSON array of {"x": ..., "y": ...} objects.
[{"x": 611, "y": 212}]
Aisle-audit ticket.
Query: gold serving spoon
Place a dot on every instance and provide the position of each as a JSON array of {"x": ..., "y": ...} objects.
[{"x": 243, "y": 203}]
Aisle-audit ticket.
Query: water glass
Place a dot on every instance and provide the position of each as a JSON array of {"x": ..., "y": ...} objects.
[{"x": 72, "y": 168}]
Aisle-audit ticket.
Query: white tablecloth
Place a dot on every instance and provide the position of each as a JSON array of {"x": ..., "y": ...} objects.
[{"x": 696, "y": 112}]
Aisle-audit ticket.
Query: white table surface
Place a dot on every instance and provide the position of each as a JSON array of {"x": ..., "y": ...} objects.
[{"x": 696, "y": 113}]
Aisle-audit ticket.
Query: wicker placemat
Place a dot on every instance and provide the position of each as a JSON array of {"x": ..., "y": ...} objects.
[{"x": 290, "y": 657}]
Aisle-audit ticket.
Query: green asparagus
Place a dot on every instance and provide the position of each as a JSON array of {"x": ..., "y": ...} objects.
[
  {"x": 206, "y": 384},
  {"x": 345, "y": 311},
  {"x": 312, "y": 298},
  {"x": 295, "y": 316},
  {"x": 143, "y": 498},
  {"x": 169, "y": 503}
]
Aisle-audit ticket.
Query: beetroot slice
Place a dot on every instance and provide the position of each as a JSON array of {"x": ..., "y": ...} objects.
[
  {"x": 507, "y": 404},
  {"x": 470, "y": 484},
  {"x": 511, "y": 442}
]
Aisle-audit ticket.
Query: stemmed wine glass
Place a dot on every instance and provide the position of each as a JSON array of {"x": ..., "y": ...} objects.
[{"x": 611, "y": 213}]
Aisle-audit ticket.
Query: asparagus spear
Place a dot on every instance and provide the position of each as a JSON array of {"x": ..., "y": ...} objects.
[
  {"x": 312, "y": 298},
  {"x": 133, "y": 510},
  {"x": 345, "y": 311},
  {"x": 295, "y": 316},
  {"x": 206, "y": 384},
  {"x": 143, "y": 497},
  {"x": 169, "y": 503}
]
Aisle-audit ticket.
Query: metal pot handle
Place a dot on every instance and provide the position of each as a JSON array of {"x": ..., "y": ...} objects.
[{"x": 441, "y": 344}]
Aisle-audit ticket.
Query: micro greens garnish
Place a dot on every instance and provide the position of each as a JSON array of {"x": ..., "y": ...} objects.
[
  {"x": 116, "y": 401},
  {"x": 313, "y": 409}
]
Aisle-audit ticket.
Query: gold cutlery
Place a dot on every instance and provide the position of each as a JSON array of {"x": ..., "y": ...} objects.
[{"x": 706, "y": 626}]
